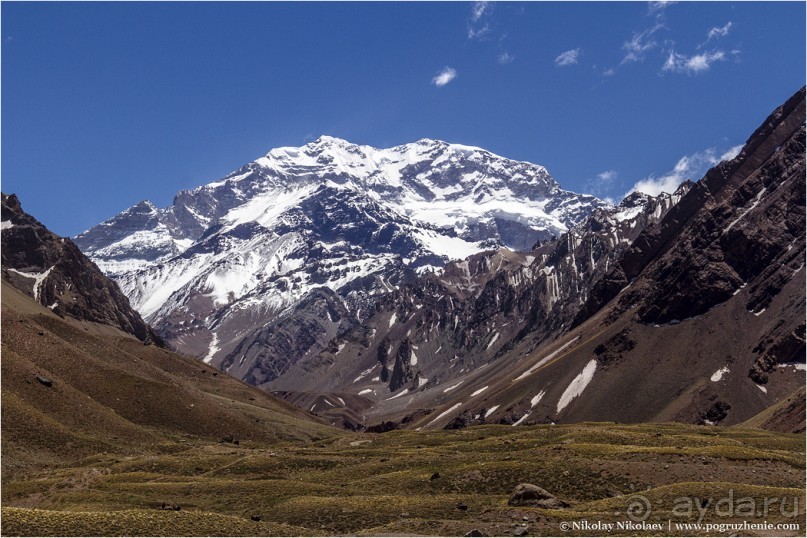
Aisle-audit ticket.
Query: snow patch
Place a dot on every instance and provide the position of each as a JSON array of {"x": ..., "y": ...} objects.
[
  {"x": 214, "y": 347},
  {"x": 398, "y": 395},
  {"x": 746, "y": 211},
  {"x": 452, "y": 248},
  {"x": 480, "y": 391},
  {"x": 522, "y": 419},
  {"x": 545, "y": 360},
  {"x": 6, "y": 224},
  {"x": 491, "y": 411},
  {"x": 628, "y": 214},
  {"x": 364, "y": 374},
  {"x": 717, "y": 376},
  {"x": 760, "y": 387},
  {"x": 452, "y": 387},
  {"x": 578, "y": 385},
  {"x": 444, "y": 413},
  {"x": 797, "y": 365},
  {"x": 537, "y": 398},
  {"x": 39, "y": 279}
]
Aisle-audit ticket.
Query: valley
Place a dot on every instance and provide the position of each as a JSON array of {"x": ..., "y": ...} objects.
[
  {"x": 638, "y": 369},
  {"x": 444, "y": 483}
]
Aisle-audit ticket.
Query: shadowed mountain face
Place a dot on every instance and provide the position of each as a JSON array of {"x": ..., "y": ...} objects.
[{"x": 53, "y": 271}]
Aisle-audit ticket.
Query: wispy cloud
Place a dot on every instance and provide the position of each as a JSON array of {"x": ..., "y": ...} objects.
[
  {"x": 719, "y": 32},
  {"x": 680, "y": 63},
  {"x": 688, "y": 167},
  {"x": 446, "y": 75},
  {"x": 568, "y": 57},
  {"x": 505, "y": 58},
  {"x": 639, "y": 45},
  {"x": 476, "y": 33},
  {"x": 716, "y": 33},
  {"x": 732, "y": 152},
  {"x": 602, "y": 185},
  {"x": 477, "y": 10},
  {"x": 655, "y": 8},
  {"x": 477, "y": 25}
]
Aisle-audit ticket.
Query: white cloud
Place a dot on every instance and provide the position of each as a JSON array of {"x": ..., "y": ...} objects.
[
  {"x": 477, "y": 10},
  {"x": 637, "y": 47},
  {"x": 730, "y": 153},
  {"x": 607, "y": 176},
  {"x": 610, "y": 72},
  {"x": 716, "y": 33},
  {"x": 719, "y": 32},
  {"x": 602, "y": 185},
  {"x": 680, "y": 63},
  {"x": 474, "y": 33},
  {"x": 659, "y": 6},
  {"x": 568, "y": 57},
  {"x": 477, "y": 27},
  {"x": 505, "y": 58},
  {"x": 691, "y": 167},
  {"x": 446, "y": 75}
]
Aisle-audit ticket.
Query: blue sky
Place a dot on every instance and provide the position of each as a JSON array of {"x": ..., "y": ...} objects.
[{"x": 106, "y": 104}]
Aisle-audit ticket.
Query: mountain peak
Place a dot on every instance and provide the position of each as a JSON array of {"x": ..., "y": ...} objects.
[{"x": 328, "y": 140}]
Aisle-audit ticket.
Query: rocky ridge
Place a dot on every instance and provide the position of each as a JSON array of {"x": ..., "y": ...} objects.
[
  {"x": 262, "y": 269},
  {"x": 434, "y": 334},
  {"x": 53, "y": 271},
  {"x": 700, "y": 319}
]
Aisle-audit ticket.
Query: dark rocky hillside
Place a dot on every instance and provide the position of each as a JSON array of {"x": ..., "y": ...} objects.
[
  {"x": 53, "y": 271},
  {"x": 78, "y": 380},
  {"x": 683, "y": 307}
]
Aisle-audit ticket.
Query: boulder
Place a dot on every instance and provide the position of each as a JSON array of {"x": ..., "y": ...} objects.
[
  {"x": 44, "y": 380},
  {"x": 531, "y": 495}
]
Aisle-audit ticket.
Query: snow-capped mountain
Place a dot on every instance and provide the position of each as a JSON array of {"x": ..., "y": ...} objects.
[
  {"x": 272, "y": 262},
  {"x": 684, "y": 307},
  {"x": 445, "y": 330}
]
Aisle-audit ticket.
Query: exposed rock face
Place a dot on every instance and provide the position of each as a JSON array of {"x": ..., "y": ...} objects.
[
  {"x": 54, "y": 272},
  {"x": 611, "y": 350},
  {"x": 445, "y": 325},
  {"x": 742, "y": 224},
  {"x": 258, "y": 272},
  {"x": 699, "y": 319},
  {"x": 687, "y": 306},
  {"x": 777, "y": 349}
]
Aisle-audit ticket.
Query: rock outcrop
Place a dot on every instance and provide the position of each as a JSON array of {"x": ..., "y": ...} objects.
[{"x": 54, "y": 272}]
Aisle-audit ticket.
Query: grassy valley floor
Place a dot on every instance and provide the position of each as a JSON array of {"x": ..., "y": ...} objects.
[{"x": 642, "y": 479}]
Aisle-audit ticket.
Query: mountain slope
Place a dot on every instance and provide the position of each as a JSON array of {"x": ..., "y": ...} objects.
[
  {"x": 263, "y": 268},
  {"x": 701, "y": 320},
  {"x": 75, "y": 383},
  {"x": 432, "y": 336},
  {"x": 54, "y": 272}
]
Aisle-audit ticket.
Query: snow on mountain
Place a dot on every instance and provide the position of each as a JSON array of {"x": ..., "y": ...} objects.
[{"x": 229, "y": 259}]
